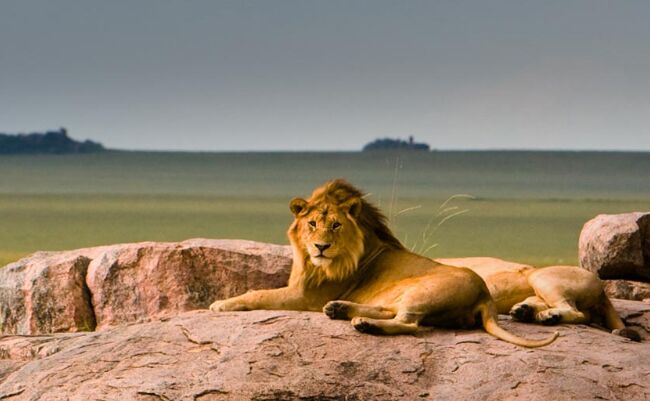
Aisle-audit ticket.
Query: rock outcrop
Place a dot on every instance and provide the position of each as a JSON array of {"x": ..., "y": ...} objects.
[
  {"x": 46, "y": 293},
  {"x": 626, "y": 289},
  {"x": 94, "y": 288},
  {"x": 617, "y": 246},
  {"x": 285, "y": 356},
  {"x": 148, "y": 346}
]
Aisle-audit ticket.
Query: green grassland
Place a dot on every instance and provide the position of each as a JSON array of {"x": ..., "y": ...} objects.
[{"x": 526, "y": 206}]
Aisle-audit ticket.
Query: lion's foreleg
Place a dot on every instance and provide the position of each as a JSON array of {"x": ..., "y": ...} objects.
[
  {"x": 534, "y": 309},
  {"x": 285, "y": 298},
  {"x": 397, "y": 325},
  {"x": 347, "y": 310},
  {"x": 528, "y": 309},
  {"x": 564, "y": 312}
]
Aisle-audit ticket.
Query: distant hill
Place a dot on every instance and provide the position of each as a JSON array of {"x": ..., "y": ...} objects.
[
  {"x": 391, "y": 144},
  {"x": 52, "y": 142}
]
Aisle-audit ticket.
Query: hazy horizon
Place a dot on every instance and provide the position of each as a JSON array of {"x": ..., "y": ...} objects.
[
  {"x": 219, "y": 76},
  {"x": 280, "y": 150}
]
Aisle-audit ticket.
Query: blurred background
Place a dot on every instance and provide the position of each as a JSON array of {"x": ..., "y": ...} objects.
[{"x": 214, "y": 114}]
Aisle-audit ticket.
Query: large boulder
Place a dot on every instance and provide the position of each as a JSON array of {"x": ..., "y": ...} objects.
[
  {"x": 139, "y": 282},
  {"x": 46, "y": 293},
  {"x": 617, "y": 246},
  {"x": 285, "y": 356},
  {"x": 94, "y": 288}
]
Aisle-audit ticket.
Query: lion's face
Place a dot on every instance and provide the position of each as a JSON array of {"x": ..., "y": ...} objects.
[
  {"x": 328, "y": 233},
  {"x": 324, "y": 231}
]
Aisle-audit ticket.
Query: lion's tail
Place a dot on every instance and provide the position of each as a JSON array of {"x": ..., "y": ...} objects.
[{"x": 488, "y": 311}]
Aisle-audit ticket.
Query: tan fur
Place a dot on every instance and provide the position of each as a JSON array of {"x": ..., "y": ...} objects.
[
  {"x": 548, "y": 295},
  {"x": 362, "y": 273}
]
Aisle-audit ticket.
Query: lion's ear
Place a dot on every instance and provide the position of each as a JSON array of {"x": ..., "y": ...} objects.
[
  {"x": 352, "y": 206},
  {"x": 297, "y": 205}
]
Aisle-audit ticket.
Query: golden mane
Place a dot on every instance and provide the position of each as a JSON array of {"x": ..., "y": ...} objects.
[
  {"x": 370, "y": 219},
  {"x": 348, "y": 264},
  {"x": 371, "y": 236}
]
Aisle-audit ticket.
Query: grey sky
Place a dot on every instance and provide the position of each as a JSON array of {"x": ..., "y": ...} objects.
[{"x": 329, "y": 75}]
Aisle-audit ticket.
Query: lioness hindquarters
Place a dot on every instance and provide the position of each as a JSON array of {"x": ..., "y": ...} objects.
[{"x": 571, "y": 294}]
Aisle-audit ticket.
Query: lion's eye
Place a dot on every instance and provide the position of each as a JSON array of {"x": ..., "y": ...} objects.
[
  {"x": 336, "y": 225},
  {"x": 312, "y": 223}
]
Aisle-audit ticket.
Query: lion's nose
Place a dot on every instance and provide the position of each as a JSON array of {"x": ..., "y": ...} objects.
[{"x": 322, "y": 247}]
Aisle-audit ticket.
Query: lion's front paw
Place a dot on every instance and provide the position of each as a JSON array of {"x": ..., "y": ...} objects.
[
  {"x": 226, "y": 305},
  {"x": 523, "y": 313},
  {"x": 549, "y": 317},
  {"x": 336, "y": 310},
  {"x": 364, "y": 326},
  {"x": 218, "y": 306}
]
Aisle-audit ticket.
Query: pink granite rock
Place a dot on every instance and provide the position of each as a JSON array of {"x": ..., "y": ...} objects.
[
  {"x": 617, "y": 246},
  {"x": 94, "y": 288},
  {"x": 300, "y": 356},
  {"x": 46, "y": 293},
  {"x": 138, "y": 282}
]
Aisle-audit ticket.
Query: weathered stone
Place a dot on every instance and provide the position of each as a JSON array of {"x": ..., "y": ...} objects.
[
  {"x": 97, "y": 287},
  {"x": 45, "y": 293},
  {"x": 291, "y": 356},
  {"x": 138, "y": 282},
  {"x": 636, "y": 315},
  {"x": 266, "y": 355},
  {"x": 617, "y": 246},
  {"x": 626, "y": 289}
]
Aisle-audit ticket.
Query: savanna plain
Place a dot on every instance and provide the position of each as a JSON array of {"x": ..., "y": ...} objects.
[{"x": 525, "y": 206}]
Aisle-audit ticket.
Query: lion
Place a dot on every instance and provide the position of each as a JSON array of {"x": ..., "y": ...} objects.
[
  {"x": 548, "y": 295},
  {"x": 348, "y": 264}
]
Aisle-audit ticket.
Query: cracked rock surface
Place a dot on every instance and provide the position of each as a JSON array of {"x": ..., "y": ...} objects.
[
  {"x": 149, "y": 345},
  {"x": 95, "y": 288},
  {"x": 281, "y": 355}
]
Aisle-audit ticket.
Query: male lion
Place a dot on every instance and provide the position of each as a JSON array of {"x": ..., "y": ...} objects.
[
  {"x": 547, "y": 295},
  {"x": 347, "y": 263}
]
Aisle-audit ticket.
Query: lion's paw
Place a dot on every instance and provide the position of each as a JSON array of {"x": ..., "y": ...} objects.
[
  {"x": 225, "y": 305},
  {"x": 549, "y": 317},
  {"x": 218, "y": 306},
  {"x": 628, "y": 333},
  {"x": 336, "y": 310},
  {"x": 523, "y": 313},
  {"x": 366, "y": 327}
]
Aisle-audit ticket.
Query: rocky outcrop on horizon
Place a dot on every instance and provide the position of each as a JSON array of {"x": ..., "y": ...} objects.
[
  {"x": 389, "y": 144},
  {"x": 51, "y": 142}
]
